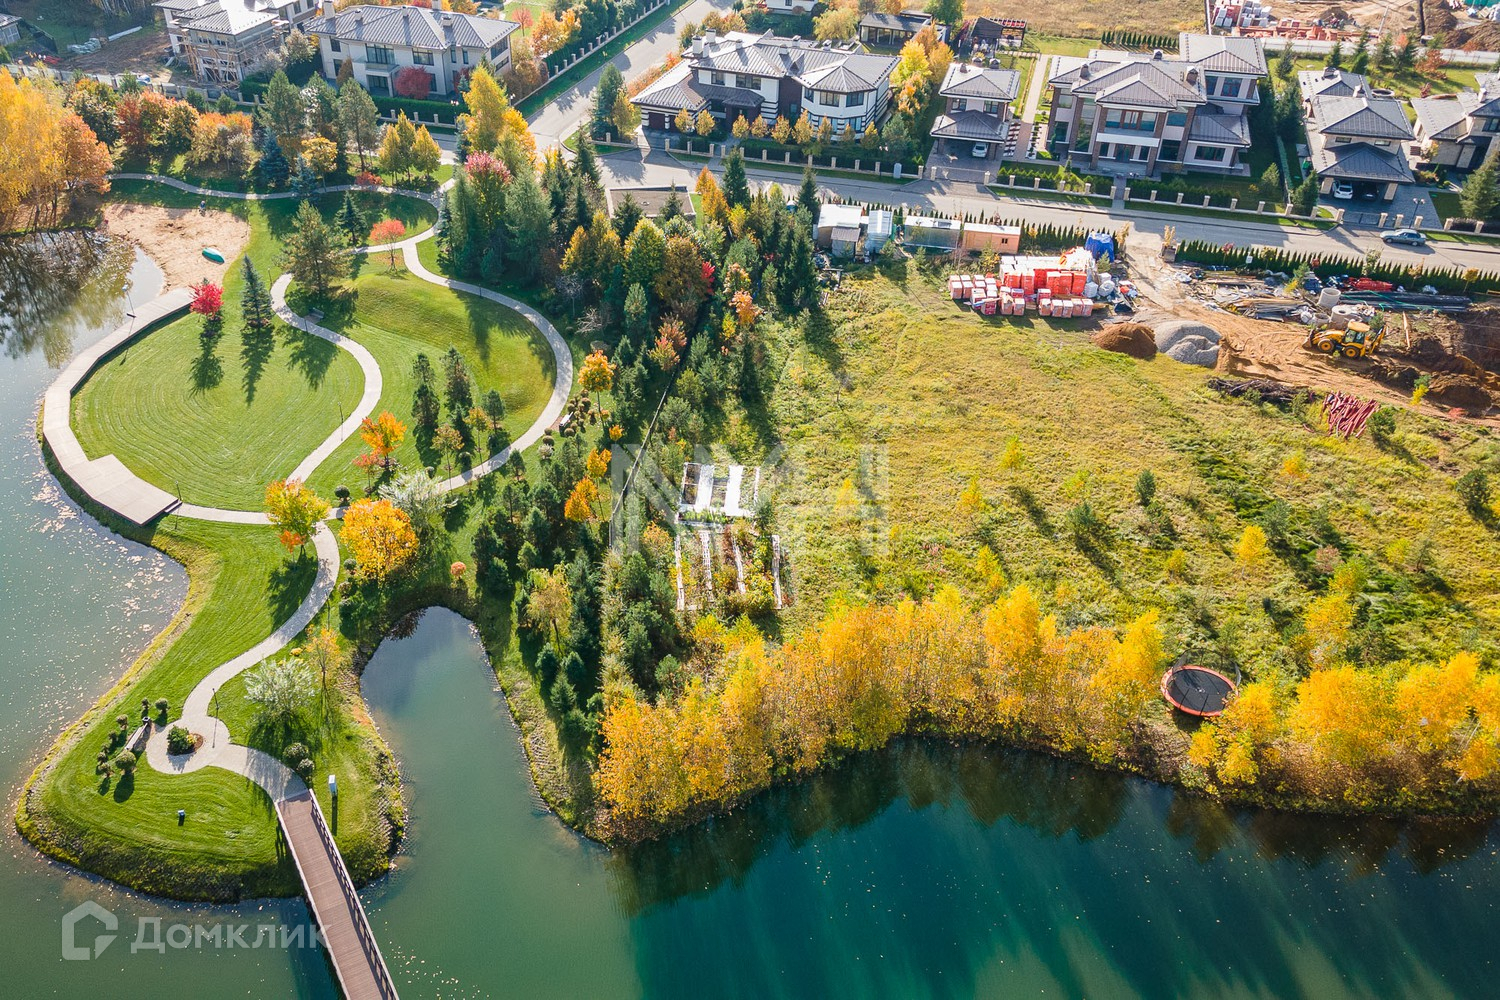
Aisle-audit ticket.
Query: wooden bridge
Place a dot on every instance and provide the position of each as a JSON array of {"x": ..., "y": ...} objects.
[{"x": 335, "y": 905}]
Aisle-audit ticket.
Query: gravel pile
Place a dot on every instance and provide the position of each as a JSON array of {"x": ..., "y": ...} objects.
[{"x": 1189, "y": 342}]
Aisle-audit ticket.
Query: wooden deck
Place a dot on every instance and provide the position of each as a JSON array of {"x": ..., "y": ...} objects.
[{"x": 335, "y": 905}]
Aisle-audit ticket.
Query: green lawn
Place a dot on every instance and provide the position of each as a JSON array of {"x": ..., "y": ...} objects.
[
  {"x": 1448, "y": 80},
  {"x": 938, "y": 392},
  {"x": 220, "y": 424},
  {"x": 397, "y": 316},
  {"x": 242, "y": 585}
]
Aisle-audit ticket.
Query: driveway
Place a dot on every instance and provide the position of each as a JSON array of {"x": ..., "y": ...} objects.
[
  {"x": 557, "y": 119},
  {"x": 1411, "y": 201}
]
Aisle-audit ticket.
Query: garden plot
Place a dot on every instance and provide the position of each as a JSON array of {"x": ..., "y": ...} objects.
[
  {"x": 715, "y": 493},
  {"x": 728, "y": 567}
]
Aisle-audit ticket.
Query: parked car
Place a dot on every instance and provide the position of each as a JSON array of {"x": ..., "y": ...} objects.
[
  {"x": 1406, "y": 237},
  {"x": 1343, "y": 190},
  {"x": 980, "y": 151}
]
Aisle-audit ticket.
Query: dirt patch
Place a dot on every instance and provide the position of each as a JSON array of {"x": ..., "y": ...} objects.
[
  {"x": 1459, "y": 391},
  {"x": 175, "y": 238},
  {"x": 1134, "y": 339}
]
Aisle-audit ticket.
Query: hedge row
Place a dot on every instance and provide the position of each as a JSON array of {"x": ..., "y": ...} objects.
[
  {"x": 1193, "y": 194},
  {"x": 1139, "y": 40},
  {"x": 1053, "y": 179},
  {"x": 1412, "y": 276},
  {"x": 446, "y": 112}
]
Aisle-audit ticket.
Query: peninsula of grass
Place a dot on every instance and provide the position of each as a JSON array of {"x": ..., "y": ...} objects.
[
  {"x": 397, "y": 316},
  {"x": 241, "y": 585}
]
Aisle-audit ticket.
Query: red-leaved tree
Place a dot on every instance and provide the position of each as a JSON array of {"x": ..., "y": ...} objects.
[
  {"x": 208, "y": 299},
  {"x": 414, "y": 83},
  {"x": 388, "y": 232}
]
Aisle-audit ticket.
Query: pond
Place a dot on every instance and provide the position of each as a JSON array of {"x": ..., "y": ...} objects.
[{"x": 923, "y": 871}]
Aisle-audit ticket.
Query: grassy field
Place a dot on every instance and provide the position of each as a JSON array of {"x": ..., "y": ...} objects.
[
  {"x": 220, "y": 424},
  {"x": 241, "y": 586},
  {"x": 1074, "y": 18},
  {"x": 891, "y": 405},
  {"x": 397, "y": 316}
]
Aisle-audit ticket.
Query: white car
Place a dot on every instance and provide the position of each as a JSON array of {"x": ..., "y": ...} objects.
[
  {"x": 980, "y": 151},
  {"x": 1343, "y": 190}
]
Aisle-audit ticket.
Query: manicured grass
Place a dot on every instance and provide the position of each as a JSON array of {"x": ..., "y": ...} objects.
[
  {"x": 217, "y": 423},
  {"x": 241, "y": 586},
  {"x": 907, "y": 396},
  {"x": 397, "y": 316},
  {"x": 1448, "y": 80}
]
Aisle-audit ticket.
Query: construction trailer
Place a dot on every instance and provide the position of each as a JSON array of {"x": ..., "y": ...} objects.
[
  {"x": 840, "y": 219},
  {"x": 932, "y": 233},
  {"x": 980, "y": 236},
  {"x": 879, "y": 224}
]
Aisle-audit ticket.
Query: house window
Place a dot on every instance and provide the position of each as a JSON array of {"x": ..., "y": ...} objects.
[
  {"x": 333, "y": 45},
  {"x": 378, "y": 55},
  {"x": 1176, "y": 119},
  {"x": 1339, "y": 140},
  {"x": 379, "y": 85},
  {"x": 746, "y": 82},
  {"x": 960, "y": 104},
  {"x": 716, "y": 78},
  {"x": 421, "y": 58},
  {"x": 1210, "y": 154},
  {"x": 1492, "y": 124},
  {"x": 992, "y": 107},
  {"x": 466, "y": 57},
  {"x": 1230, "y": 87},
  {"x": 1209, "y": 83},
  {"x": 828, "y": 98},
  {"x": 807, "y": 94},
  {"x": 495, "y": 51},
  {"x": 1063, "y": 100},
  {"x": 1382, "y": 142},
  {"x": 1171, "y": 149},
  {"x": 855, "y": 100}
]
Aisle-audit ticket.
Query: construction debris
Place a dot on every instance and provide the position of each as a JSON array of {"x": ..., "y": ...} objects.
[
  {"x": 1267, "y": 389},
  {"x": 1347, "y": 414}
]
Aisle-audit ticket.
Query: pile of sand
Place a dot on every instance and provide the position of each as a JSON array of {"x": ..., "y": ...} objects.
[
  {"x": 1133, "y": 339},
  {"x": 1459, "y": 391},
  {"x": 175, "y": 238},
  {"x": 1189, "y": 342}
]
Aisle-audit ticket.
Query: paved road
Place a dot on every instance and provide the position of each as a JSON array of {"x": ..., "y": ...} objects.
[
  {"x": 632, "y": 168},
  {"x": 555, "y": 121}
]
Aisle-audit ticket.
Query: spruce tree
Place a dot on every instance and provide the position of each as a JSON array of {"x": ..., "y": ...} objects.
[
  {"x": 305, "y": 183},
  {"x": 1479, "y": 195},
  {"x": 459, "y": 387},
  {"x": 1285, "y": 66},
  {"x": 255, "y": 301},
  {"x": 586, "y": 163},
  {"x": 627, "y": 215},
  {"x": 273, "y": 167},
  {"x": 671, "y": 208},
  {"x": 799, "y": 279},
  {"x": 736, "y": 185},
  {"x": 314, "y": 252},
  {"x": 807, "y": 195},
  {"x": 351, "y": 220}
]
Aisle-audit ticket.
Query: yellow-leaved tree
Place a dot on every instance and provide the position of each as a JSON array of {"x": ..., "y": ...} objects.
[
  {"x": 380, "y": 537},
  {"x": 295, "y": 509}
]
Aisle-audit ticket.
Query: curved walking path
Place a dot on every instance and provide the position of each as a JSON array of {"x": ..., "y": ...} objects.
[{"x": 112, "y": 485}]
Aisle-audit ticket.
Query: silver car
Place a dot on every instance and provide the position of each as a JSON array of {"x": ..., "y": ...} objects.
[{"x": 1406, "y": 237}]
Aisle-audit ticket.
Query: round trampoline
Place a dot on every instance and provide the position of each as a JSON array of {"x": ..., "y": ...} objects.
[{"x": 1196, "y": 690}]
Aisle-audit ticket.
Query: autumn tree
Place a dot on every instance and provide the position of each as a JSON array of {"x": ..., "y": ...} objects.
[
  {"x": 382, "y": 435},
  {"x": 580, "y": 503},
  {"x": 359, "y": 120},
  {"x": 294, "y": 508},
  {"x": 389, "y": 232},
  {"x": 379, "y": 536},
  {"x": 596, "y": 375},
  {"x": 549, "y": 604}
]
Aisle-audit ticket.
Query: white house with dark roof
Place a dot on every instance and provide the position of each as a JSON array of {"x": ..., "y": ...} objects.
[
  {"x": 1357, "y": 134},
  {"x": 1144, "y": 112},
  {"x": 224, "y": 41},
  {"x": 379, "y": 42},
  {"x": 1458, "y": 131},
  {"x": 978, "y": 106},
  {"x": 765, "y": 76}
]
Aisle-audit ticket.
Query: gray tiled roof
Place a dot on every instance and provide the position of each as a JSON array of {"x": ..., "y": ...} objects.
[
  {"x": 1223, "y": 129},
  {"x": 772, "y": 56},
  {"x": 412, "y": 27},
  {"x": 964, "y": 80},
  {"x": 1124, "y": 78},
  {"x": 1329, "y": 83},
  {"x": 970, "y": 125},
  {"x": 912, "y": 21},
  {"x": 1359, "y": 161},
  {"x": 1223, "y": 53},
  {"x": 1442, "y": 118},
  {"x": 838, "y": 78},
  {"x": 1362, "y": 116}
]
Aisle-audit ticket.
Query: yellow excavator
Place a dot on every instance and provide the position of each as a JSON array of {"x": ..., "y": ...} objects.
[{"x": 1354, "y": 340}]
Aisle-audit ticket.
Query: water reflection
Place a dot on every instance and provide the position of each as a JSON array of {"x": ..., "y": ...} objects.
[{"x": 56, "y": 285}]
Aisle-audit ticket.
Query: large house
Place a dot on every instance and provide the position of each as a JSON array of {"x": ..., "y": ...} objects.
[
  {"x": 895, "y": 30},
  {"x": 1357, "y": 135},
  {"x": 764, "y": 76},
  {"x": 977, "y": 112},
  {"x": 1458, "y": 131},
  {"x": 1144, "y": 112},
  {"x": 791, "y": 6},
  {"x": 224, "y": 41},
  {"x": 380, "y": 42}
]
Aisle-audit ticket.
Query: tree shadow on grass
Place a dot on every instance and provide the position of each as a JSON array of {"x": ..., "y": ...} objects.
[
  {"x": 207, "y": 370},
  {"x": 1034, "y": 510},
  {"x": 125, "y": 787},
  {"x": 256, "y": 347},
  {"x": 310, "y": 355},
  {"x": 821, "y": 337},
  {"x": 288, "y": 584}
]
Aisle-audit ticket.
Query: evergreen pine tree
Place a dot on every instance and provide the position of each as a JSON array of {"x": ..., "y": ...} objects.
[
  {"x": 305, "y": 183},
  {"x": 736, "y": 185},
  {"x": 627, "y": 215},
  {"x": 807, "y": 195},
  {"x": 273, "y": 167},
  {"x": 255, "y": 300},
  {"x": 351, "y": 220},
  {"x": 671, "y": 208},
  {"x": 799, "y": 279},
  {"x": 586, "y": 163},
  {"x": 458, "y": 387},
  {"x": 1285, "y": 66},
  {"x": 1479, "y": 195}
]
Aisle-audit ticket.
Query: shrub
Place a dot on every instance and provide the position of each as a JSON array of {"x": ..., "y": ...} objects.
[
  {"x": 1382, "y": 425},
  {"x": 413, "y": 82},
  {"x": 122, "y": 721},
  {"x": 341, "y": 494},
  {"x": 179, "y": 741},
  {"x": 1145, "y": 487},
  {"x": 294, "y": 753},
  {"x": 125, "y": 761},
  {"x": 1474, "y": 490},
  {"x": 161, "y": 707},
  {"x": 305, "y": 768}
]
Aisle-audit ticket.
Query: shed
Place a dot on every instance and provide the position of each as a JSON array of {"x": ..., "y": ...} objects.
[
  {"x": 10, "y": 29},
  {"x": 831, "y": 217},
  {"x": 844, "y": 241},
  {"x": 983, "y": 236},
  {"x": 932, "y": 233},
  {"x": 878, "y": 228}
]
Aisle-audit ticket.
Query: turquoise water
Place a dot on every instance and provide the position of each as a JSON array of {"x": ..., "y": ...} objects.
[{"x": 925, "y": 871}]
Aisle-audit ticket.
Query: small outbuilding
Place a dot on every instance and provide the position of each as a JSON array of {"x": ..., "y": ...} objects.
[
  {"x": 879, "y": 224},
  {"x": 932, "y": 233},
  {"x": 978, "y": 236},
  {"x": 840, "y": 219}
]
